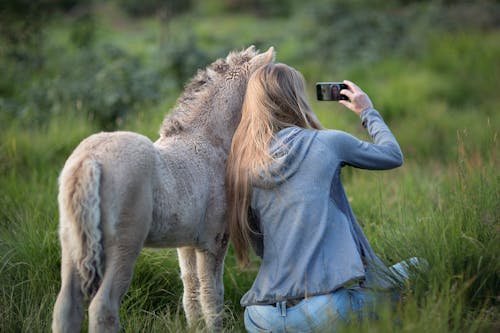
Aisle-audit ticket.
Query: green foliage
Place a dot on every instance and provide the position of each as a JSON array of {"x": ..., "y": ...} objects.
[
  {"x": 340, "y": 33},
  {"x": 105, "y": 83},
  {"x": 435, "y": 87},
  {"x": 448, "y": 215},
  {"x": 83, "y": 31},
  {"x": 262, "y": 8},
  {"x": 151, "y": 7},
  {"x": 351, "y": 31},
  {"x": 23, "y": 7},
  {"x": 469, "y": 68},
  {"x": 182, "y": 61}
]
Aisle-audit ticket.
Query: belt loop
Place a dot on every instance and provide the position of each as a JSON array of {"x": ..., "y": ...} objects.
[{"x": 282, "y": 307}]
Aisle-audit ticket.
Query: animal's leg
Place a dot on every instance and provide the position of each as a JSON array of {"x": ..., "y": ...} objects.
[
  {"x": 189, "y": 276},
  {"x": 68, "y": 310},
  {"x": 122, "y": 244},
  {"x": 104, "y": 310},
  {"x": 124, "y": 232},
  {"x": 210, "y": 273}
]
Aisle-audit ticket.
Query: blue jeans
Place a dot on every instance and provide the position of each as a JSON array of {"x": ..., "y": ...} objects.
[
  {"x": 324, "y": 312},
  {"x": 313, "y": 314}
]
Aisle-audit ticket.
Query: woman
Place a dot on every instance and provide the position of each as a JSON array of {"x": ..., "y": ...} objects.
[{"x": 288, "y": 203}]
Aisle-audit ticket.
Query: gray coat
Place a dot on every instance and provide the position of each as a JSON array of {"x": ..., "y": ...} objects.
[{"x": 309, "y": 239}]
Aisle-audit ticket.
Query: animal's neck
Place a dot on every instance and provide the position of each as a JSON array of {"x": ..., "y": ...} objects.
[
  {"x": 214, "y": 119},
  {"x": 224, "y": 116},
  {"x": 220, "y": 131}
]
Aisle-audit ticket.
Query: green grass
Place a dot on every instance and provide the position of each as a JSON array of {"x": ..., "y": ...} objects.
[
  {"x": 446, "y": 213},
  {"x": 442, "y": 205}
]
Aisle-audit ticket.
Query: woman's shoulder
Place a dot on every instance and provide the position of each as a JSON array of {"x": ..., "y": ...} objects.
[
  {"x": 296, "y": 130},
  {"x": 292, "y": 130},
  {"x": 323, "y": 135},
  {"x": 330, "y": 135}
]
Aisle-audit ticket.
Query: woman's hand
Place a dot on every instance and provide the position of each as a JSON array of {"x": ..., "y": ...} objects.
[{"x": 358, "y": 99}]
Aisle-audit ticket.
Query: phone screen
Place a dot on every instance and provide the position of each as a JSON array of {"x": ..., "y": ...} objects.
[{"x": 330, "y": 91}]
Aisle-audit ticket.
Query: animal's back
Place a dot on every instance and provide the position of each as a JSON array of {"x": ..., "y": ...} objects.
[{"x": 113, "y": 148}]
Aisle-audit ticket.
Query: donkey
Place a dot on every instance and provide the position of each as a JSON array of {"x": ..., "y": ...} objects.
[{"x": 119, "y": 192}]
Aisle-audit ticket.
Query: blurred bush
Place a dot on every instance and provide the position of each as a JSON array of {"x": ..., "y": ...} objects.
[
  {"x": 43, "y": 76},
  {"x": 262, "y": 8},
  {"x": 341, "y": 33},
  {"x": 83, "y": 30},
  {"x": 104, "y": 82},
  {"x": 182, "y": 56},
  {"x": 23, "y": 20},
  {"x": 152, "y": 7}
]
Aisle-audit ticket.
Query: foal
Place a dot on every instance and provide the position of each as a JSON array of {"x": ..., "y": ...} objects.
[{"x": 119, "y": 192}]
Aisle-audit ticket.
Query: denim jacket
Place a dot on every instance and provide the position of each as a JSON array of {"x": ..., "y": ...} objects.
[{"x": 308, "y": 237}]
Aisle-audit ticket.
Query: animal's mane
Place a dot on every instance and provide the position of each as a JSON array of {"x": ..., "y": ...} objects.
[{"x": 198, "y": 92}]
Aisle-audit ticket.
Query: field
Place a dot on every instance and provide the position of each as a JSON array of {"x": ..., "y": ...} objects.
[{"x": 77, "y": 74}]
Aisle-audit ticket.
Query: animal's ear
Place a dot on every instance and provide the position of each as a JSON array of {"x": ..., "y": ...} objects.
[
  {"x": 262, "y": 59},
  {"x": 250, "y": 49}
]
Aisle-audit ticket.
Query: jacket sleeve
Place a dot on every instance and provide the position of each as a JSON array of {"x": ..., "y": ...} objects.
[{"x": 384, "y": 153}]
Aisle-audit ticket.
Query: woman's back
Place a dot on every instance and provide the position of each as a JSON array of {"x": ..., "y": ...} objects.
[{"x": 311, "y": 240}]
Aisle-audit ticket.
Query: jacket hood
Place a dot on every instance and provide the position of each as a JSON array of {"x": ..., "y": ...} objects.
[{"x": 288, "y": 148}]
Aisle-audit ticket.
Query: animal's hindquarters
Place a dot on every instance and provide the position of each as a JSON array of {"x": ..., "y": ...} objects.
[
  {"x": 107, "y": 178},
  {"x": 105, "y": 205}
]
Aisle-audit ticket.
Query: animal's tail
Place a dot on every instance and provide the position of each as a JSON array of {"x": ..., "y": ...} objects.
[{"x": 80, "y": 217}]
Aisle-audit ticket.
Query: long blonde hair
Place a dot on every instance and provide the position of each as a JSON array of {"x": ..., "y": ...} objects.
[{"x": 275, "y": 99}]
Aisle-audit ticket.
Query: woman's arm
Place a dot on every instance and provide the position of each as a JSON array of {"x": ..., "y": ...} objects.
[{"x": 384, "y": 152}]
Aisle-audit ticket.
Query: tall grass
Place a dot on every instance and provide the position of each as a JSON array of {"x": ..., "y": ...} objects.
[{"x": 447, "y": 214}]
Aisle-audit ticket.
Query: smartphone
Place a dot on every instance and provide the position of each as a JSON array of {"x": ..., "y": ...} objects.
[{"x": 330, "y": 91}]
